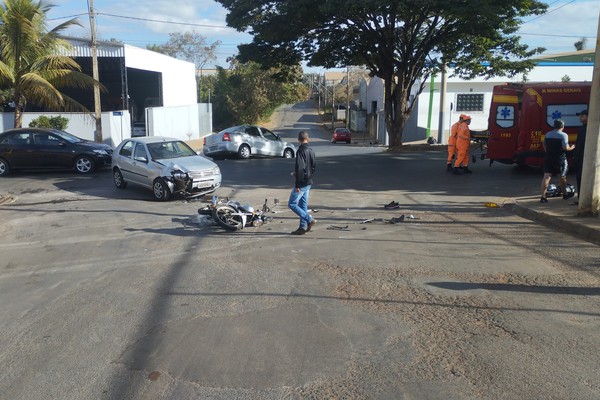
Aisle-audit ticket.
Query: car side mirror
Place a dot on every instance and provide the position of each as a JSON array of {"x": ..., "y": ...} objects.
[
  {"x": 278, "y": 137},
  {"x": 141, "y": 159}
]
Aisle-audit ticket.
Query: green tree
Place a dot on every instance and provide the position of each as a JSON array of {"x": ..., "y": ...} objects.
[
  {"x": 31, "y": 66},
  {"x": 188, "y": 46},
  {"x": 402, "y": 42},
  {"x": 57, "y": 122},
  {"x": 247, "y": 93}
]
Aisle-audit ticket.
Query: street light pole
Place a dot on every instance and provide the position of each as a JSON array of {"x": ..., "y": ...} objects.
[{"x": 96, "y": 76}]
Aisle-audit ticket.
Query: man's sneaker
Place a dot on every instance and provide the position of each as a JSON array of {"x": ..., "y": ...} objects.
[
  {"x": 449, "y": 168},
  {"x": 543, "y": 200},
  {"x": 456, "y": 171},
  {"x": 299, "y": 231},
  {"x": 310, "y": 225},
  {"x": 466, "y": 170},
  {"x": 392, "y": 206}
]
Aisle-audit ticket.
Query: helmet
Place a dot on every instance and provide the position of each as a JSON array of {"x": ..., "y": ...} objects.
[
  {"x": 569, "y": 191},
  {"x": 552, "y": 191}
]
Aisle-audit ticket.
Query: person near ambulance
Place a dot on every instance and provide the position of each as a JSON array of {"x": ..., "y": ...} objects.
[
  {"x": 463, "y": 141},
  {"x": 556, "y": 145},
  {"x": 452, "y": 143}
]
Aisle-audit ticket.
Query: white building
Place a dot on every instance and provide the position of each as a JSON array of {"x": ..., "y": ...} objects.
[
  {"x": 141, "y": 85},
  {"x": 471, "y": 97}
]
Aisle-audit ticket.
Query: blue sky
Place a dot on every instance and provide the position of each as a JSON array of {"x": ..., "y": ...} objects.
[{"x": 140, "y": 23}]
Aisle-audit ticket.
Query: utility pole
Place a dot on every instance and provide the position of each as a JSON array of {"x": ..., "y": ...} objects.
[
  {"x": 589, "y": 198},
  {"x": 442, "y": 105},
  {"x": 95, "y": 75},
  {"x": 348, "y": 97}
]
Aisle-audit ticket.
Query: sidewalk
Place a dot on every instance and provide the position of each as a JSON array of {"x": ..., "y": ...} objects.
[{"x": 560, "y": 214}]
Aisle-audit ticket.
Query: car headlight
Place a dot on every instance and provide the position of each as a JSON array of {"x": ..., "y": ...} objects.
[
  {"x": 180, "y": 175},
  {"x": 216, "y": 171},
  {"x": 101, "y": 152}
]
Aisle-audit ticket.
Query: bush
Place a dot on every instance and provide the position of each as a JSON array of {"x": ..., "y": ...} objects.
[{"x": 57, "y": 122}]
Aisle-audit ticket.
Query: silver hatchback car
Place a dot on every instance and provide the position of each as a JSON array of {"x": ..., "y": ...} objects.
[
  {"x": 164, "y": 165},
  {"x": 246, "y": 140}
]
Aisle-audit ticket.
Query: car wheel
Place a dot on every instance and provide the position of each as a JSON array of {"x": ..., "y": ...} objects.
[
  {"x": 288, "y": 153},
  {"x": 244, "y": 152},
  {"x": 84, "y": 164},
  {"x": 4, "y": 167},
  {"x": 118, "y": 179},
  {"x": 348, "y": 142},
  {"x": 161, "y": 190}
]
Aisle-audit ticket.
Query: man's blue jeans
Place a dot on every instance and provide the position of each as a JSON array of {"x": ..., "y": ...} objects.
[{"x": 298, "y": 203}]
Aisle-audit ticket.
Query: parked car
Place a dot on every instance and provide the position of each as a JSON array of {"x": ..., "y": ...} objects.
[
  {"x": 35, "y": 148},
  {"x": 341, "y": 135},
  {"x": 138, "y": 129},
  {"x": 161, "y": 164},
  {"x": 246, "y": 140}
]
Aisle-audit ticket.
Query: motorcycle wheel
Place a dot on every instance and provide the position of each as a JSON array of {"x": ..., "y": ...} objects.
[{"x": 223, "y": 215}]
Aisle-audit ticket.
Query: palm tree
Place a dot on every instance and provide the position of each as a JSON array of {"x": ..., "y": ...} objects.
[{"x": 33, "y": 64}]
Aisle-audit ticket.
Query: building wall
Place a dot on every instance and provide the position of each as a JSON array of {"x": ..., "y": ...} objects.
[
  {"x": 178, "y": 77},
  {"x": 115, "y": 124},
  {"x": 182, "y": 122}
]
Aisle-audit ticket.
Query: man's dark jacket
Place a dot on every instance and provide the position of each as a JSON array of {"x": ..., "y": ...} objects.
[{"x": 305, "y": 165}]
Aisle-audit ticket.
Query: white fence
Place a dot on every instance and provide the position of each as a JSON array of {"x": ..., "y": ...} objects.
[{"x": 182, "y": 122}]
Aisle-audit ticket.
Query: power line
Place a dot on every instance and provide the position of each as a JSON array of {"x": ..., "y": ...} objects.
[
  {"x": 548, "y": 12},
  {"x": 164, "y": 22}
]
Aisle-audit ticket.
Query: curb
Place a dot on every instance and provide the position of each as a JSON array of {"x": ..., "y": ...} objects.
[{"x": 586, "y": 233}]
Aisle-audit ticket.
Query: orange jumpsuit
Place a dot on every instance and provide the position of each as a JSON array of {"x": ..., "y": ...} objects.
[
  {"x": 452, "y": 142},
  {"x": 463, "y": 141}
]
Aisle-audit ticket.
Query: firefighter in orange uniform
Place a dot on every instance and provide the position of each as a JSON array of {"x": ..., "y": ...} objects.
[
  {"x": 463, "y": 141},
  {"x": 452, "y": 142}
]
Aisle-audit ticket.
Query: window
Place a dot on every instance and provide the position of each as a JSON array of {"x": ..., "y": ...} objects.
[
  {"x": 505, "y": 116},
  {"x": 140, "y": 152},
  {"x": 16, "y": 138},
  {"x": 468, "y": 102},
  {"x": 126, "y": 149},
  {"x": 45, "y": 139},
  {"x": 566, "y": 112}
]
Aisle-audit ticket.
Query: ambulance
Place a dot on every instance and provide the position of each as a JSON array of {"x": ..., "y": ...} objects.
[{"x": 521, "y": 114}]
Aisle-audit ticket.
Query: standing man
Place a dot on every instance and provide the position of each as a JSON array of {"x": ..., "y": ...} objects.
[
  {"x": 579, "y": 149},
  {"x": 452, "y": 143},
  {"x": 556, "y": 145},
  {"x": 463, "y": 141},
  {"x": 303, "y": 172}
]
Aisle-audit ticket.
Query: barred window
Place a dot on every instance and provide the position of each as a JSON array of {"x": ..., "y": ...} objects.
[{"x": 468, "y": 102}]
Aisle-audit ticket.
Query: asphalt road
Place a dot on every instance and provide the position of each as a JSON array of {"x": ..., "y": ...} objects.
[{"x": 107, "y": 294}]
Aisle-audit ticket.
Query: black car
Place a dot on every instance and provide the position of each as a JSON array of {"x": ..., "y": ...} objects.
[{"x": 32, "y": 148}]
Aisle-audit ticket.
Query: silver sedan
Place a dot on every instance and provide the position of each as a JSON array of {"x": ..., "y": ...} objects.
[
  {"x": 245, "y": 141},
  {"x": 165, "y": 166}
]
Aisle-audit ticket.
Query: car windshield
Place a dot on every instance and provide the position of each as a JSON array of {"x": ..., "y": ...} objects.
[
  {"x": 67, "y": 136},
  {"x": 166, "y": 150}
]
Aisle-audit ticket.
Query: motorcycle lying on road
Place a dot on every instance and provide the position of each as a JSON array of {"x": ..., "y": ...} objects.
[{"x": 232, "y": 215}]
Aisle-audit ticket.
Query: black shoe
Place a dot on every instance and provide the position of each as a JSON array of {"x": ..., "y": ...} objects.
[
  {"x": 392, "y": 206},
  {"x": 449, "y": 168},
  {"x": 310, "y": 225},
  {"x": 299, "y": 231},
  {"x": 466, "y": 170},
  {"x": 543, "y": 200},
  {"x": 456, "y": 171}
]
